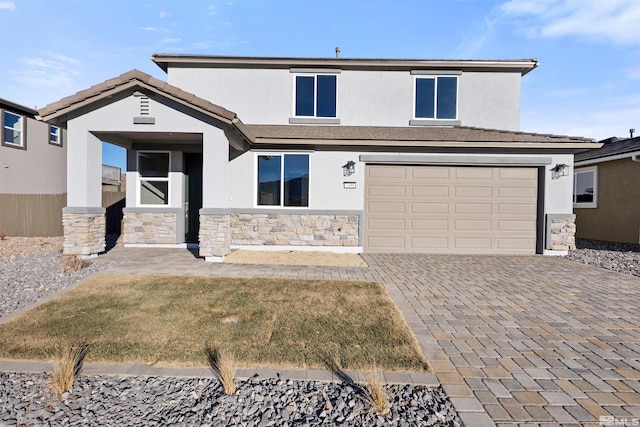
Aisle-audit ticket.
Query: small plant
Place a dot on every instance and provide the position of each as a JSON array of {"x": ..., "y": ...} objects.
[
  {"x": 73, "y": 263},
  {"x": 375, "y": 393},
  {"x": 3, "y": 236},
  {"x": 68, "y": 368},
  {"x": 223, "y": 365}
]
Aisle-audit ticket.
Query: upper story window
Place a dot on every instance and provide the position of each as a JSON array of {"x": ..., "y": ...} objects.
[
  {"x": 13, "y": 130},
  {"x": 315, "y": 95},
  {"x": 55, "y": 135},
  {"x": 436, "y": 97},
  {"x": 585, "y": 187},
  {"x": 153, "y": 178},
  {"x": 283, "y": 180}
]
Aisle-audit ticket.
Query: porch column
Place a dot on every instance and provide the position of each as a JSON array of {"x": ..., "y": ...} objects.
[
  {"x": 215, "y": 224},
  {"x": 83, "y": 218}
]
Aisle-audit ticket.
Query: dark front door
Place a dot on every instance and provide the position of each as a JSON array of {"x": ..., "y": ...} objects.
[{"x": 193, "y": 196}]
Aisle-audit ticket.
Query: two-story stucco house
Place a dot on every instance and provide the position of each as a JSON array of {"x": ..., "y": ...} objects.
[
  {"x": 373, "y": 155},
  {"x": 33, "y": 180}
]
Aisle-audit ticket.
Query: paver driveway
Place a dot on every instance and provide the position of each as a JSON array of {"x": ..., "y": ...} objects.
[{"x": 513, "y": 340}]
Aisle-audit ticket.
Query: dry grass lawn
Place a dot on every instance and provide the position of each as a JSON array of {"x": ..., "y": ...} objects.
[{"x": 170, "y": 320}]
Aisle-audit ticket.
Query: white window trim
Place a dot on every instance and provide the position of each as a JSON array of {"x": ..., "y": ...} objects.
[
  {"x": 434, "y": 77},
  {"x": 140, "y": 179},
  {"x": 593, "y": 204},
  {"x": 315, "y": 94},
  {"x": 21, "y": 130},
  {"x": 59, "y": 134},
  {"x": 255, "y": 180}
]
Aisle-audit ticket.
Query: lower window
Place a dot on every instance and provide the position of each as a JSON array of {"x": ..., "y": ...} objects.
[
  {"x": 283, "y": 180},
  {"x": 153, "y": 170}
]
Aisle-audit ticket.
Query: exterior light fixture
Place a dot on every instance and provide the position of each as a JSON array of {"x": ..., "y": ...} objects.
[
  {"x": 559, "y": 170},
  {"x": 349, "y": 168}
]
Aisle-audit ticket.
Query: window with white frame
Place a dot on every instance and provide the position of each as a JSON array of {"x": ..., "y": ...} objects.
[
  {"x": 13, "y": 131},
  {"x": 283, "y": 180},
  {"x": 55, "y": 135},
  {"x": 436, "y": 97},
  {"x": 315, "y": 95},
  {"x": 585, "y": 187},
  {"x": 153, "y": 178}
]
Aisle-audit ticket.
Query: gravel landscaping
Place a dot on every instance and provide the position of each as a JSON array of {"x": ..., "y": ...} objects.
[
  {"x": 618, "y": 257},
  {"x": 157, "y": 401}
]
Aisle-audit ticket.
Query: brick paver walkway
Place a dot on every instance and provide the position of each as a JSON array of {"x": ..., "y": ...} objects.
[{"x": 513, "y": 340}]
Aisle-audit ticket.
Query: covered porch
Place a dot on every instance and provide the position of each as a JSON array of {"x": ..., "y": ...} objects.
[{"x": 178, "y": 148}]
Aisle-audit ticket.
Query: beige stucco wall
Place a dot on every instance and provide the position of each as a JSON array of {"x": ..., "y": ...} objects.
[{"x": 617, "y": 217}]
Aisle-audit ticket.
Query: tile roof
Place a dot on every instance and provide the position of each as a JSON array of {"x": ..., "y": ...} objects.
[
  {"x": 611, "y": 147},
  {"x": 132, "y": 78},
  {"x": 435, "y": 134}
]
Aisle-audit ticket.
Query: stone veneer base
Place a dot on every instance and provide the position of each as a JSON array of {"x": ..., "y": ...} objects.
[
  {"x": 295, "y": 229},
  {"x": 149, "y": 228},
  {"x": 561, "y": 232},
  {"x": 84, "y": 233}
]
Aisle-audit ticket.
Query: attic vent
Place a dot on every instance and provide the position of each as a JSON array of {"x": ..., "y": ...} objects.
[{"x": 144, "y": 118}]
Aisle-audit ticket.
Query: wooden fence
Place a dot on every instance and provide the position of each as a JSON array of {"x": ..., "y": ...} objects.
[{"x": 33, "y": 215}]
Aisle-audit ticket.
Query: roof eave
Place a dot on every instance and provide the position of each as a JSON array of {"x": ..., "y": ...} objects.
[
  {"x": 164, "y": 61},
  {"x": 418, "y": 143}
]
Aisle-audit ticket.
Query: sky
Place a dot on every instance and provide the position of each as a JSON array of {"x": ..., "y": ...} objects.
[{"x": 587, "y": 83}]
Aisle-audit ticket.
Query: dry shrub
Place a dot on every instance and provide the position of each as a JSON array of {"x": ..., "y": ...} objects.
[
  {"x": 73, "y": 263},
  {"x": 375, "y": 393},
  {"x": 3, "y": 236},
  {"x": 224, "y": 367},
  {"x": 68, "y": 368}
]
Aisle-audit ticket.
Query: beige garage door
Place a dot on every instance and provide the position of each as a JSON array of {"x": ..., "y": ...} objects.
[{"x": 447, "y": 209}]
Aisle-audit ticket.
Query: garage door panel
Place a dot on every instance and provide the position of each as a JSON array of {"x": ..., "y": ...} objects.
[
  {"x": 472, "y": 243},
  {"x": 418, "y": 173},
  {"x": 388, "y": 190},
  {"x": 474, "y": 173},
  {"x": 473, "y": 208},
  {"x": 518, "y": 174},
  {"x": 473, "y": 191},
  {"x": 516, "y": 225},
  {"x": 516, "y": 208},
  {"x": 451, "y": 209},
  {"x": 388, "y": 207},
  {"x": 433, "y": 208},
  {"x": 429, "y": 224},
  {"x": 439, "y": 243},
  {"x": 472, "y": 224},
  {"x": 419, "y": 190},
  {"x": 387, "y": 224},
  {"x": 517, "y": 192}
]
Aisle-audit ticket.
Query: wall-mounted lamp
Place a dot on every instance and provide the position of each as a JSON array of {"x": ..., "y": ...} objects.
[
  {"x": 349, "y": 168},
  {"x": 559, "y": 170}
]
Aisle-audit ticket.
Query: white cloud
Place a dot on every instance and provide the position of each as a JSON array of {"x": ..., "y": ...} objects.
[
  {"x": 150, "y": 29},
  {"x": 170, "y": 40},
  {"x": 614, "y": 21},
  {"x": 162, "y": 14},
  {"x": 52, "y": 71},
  {"x": 213, "y": 10},
  {"x": 7, "y": 5},
  {"x": 199, "y": 45}
]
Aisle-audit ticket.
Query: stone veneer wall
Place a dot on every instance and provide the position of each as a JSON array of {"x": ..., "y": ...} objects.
[
  {"x": 561, "y": 232},
  {"x": 214, "y": 235},
  {"x": 294, "y": 229},
  {"x": 149, "y": 227},
  {"x": 83, "y": 233}
]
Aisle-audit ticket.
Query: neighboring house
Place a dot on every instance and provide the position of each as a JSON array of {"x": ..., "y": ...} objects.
[
  {"x": 606, "y": 197},
  {"x": 33, "y": 179},
  {"x": 373, "y": 155}
]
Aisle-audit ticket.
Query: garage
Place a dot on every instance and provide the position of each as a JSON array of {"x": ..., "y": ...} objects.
[{"x": 450, "y": 209}]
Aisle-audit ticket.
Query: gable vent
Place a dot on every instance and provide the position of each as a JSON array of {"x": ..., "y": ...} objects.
[{"x": 144, "y": 118}]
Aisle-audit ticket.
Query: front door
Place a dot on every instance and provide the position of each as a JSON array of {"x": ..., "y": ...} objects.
[{"x": 193, "y": 196}]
